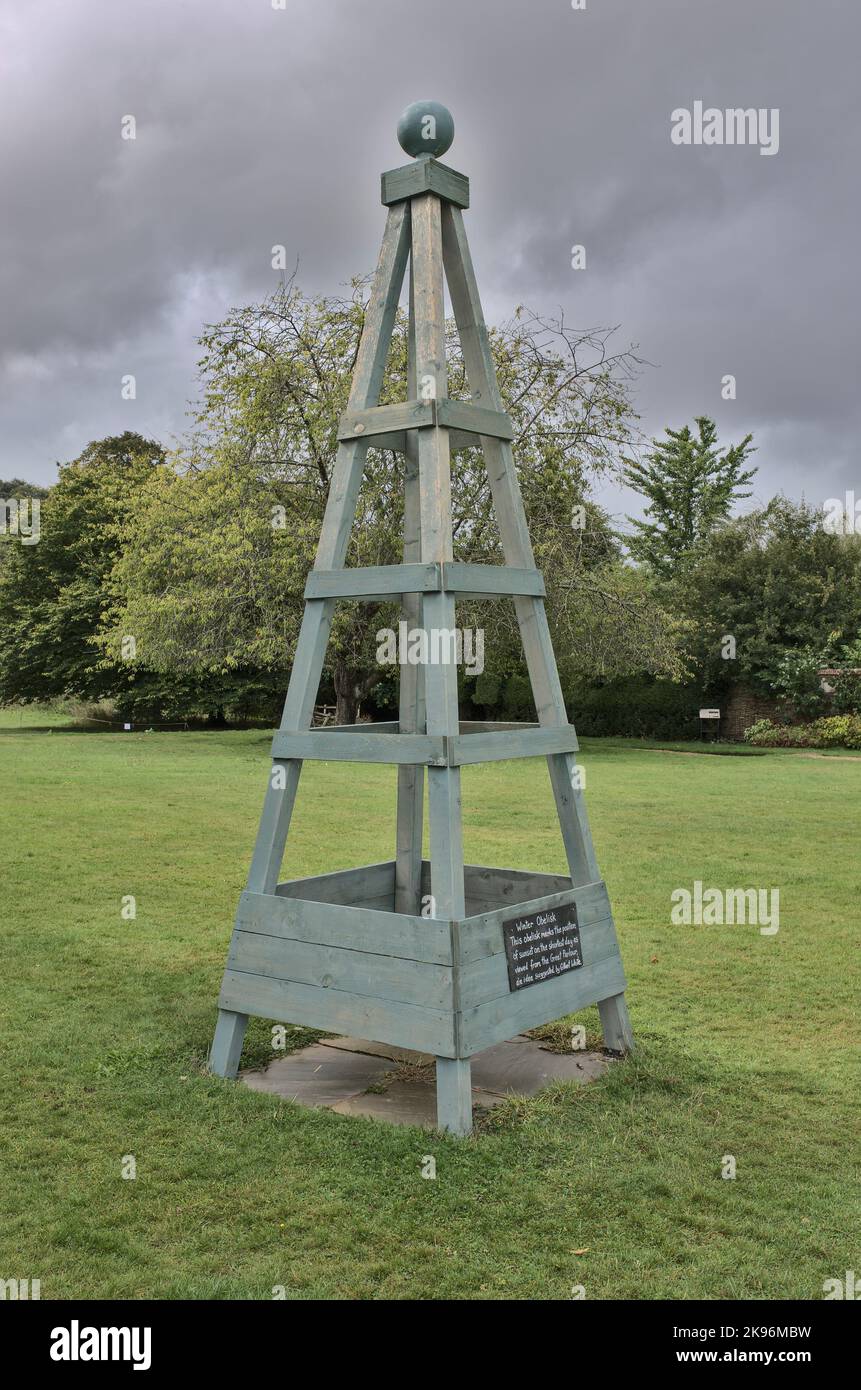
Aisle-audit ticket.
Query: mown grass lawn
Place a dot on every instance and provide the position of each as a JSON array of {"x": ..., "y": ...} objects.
[{"x": 747, "y": 1044}]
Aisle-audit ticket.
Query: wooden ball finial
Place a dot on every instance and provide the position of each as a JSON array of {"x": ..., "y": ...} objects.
[{"x": 426, "y": 128}]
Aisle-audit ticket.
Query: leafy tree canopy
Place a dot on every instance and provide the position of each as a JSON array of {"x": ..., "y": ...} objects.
[
  {"x": 776, "y": 581},
  {"x": 213, "y": 570},
  {"x": 52, "y": 594}
]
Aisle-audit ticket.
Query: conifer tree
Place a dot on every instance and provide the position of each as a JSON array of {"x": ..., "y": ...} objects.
[{"x": 690, "y": 485}]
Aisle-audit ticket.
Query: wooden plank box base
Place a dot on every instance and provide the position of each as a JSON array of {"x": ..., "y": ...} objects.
[{"x": 330, "y": 952}]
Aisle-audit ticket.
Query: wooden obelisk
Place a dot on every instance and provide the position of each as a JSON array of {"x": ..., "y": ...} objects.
[{"x": 355, "y": 951}]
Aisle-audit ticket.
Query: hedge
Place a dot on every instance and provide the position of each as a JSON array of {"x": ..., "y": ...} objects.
[
  {"x": 837, "y": 731},
  {"x": 636, "y": 707}
]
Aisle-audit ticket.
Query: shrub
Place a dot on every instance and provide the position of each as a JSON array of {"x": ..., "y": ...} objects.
[{"x": 837, "y": 731}]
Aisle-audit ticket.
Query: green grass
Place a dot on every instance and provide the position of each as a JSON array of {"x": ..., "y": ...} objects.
[{"x": 745, "y": 1042}]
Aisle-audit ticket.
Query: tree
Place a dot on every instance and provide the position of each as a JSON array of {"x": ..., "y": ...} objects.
[
  {"x": 52, "y": 593},
  {"x": 777, "y": 583},
  {"x": 15, "y": 520},
  {"x": 18, "y": 487},
  {"x": 213, "y": 573},
  {"x": 691, "y": 486}
]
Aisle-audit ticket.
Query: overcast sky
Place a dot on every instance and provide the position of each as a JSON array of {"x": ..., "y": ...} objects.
[{"x": 258, "y": 126}]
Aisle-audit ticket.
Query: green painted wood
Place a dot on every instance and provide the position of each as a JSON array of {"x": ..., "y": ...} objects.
[
  {"x": 504, "y": 1017},
  {"x": 409, "y": 823},
  {"x": 332, "y": 547},
  {"x": 462, "y": 439},
  {"x": 516, "y": 884},
  {"x": 499, "y": 887},
  {"x": 379, "y": 582},
  {"x": 357, "y": 928},
  {"x": 331, "y": 552},
  {"x": 338, "y": 1011},
  {"x": 531, "y": 614},
  {"x": 444, "y": 804},
  {"x": 394, "y": 442},
  {"x": 354, "y": 887},
  {"x": 480, "y": 581},
  {"x": 383, "y": 419},
  {"x": 463, "y": 416},
  {"x": 373, "y": 726},
  {"x": 615, "y": 1024},
  {"x": 340, "y": 967},
  {"x": 339, "y": 949},
  {"x": 454, "y": 1096},
  {"x": 373, "y": 582},
  {"x": 324, "y": 745},
  {"x": 381, "y": 742},
  {"x": 474, "y": 419},
  {"x": 513, "y": 743},
  {"x": 226, "y": 1050},
  {"x": 425, "y": 176},
  {"x": 517, "y": 547},
  {"x": 480, "y": 934},
  {"x": 492, "y": 726}
]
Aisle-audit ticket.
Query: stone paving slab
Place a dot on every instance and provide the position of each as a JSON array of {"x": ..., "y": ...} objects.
[
  {"x": 523, "y": 1067},
  {"x": 338, "y": 1072},
  {"x": 375, "y": 1049},
  {"x": 407, "y": 1103},
  {"x": 318, "y": 1075}
]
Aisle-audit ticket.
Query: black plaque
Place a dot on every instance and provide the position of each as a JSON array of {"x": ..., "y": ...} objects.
[{"x": 541, "y": 946}]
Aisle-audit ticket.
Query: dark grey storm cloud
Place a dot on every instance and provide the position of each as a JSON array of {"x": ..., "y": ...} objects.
[{"x": 258, "y": 126}]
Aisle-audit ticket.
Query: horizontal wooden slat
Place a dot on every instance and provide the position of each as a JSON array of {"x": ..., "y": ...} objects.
[
  {"x": 379, "y": 744},
  {"x": 323, "y": 744},
  {"x": 371, "y": 726},
  {"x": 492, "y": 726},
  {"x": 510, "y": 1014},
  {"x": 335, "y": 924},
  {"x": 380, "y": 419},
  {"x": 353, "y": 887},
  {"x": 383, "y": 581},
  {"x": 373, "y": 581},
  {"x": 480, "y": 580},
  {"x": 476, "y": 419},
  {"x": 383, "y": 976},
  {"x": 388, "y": 420},
  {"x": 338, "y": 1011},
  {"x": 527, "y": 742},
  {"x": 396, "y": 441},
  {"x": 491, "y": 887},
  {"x": 512, "y": 885}
]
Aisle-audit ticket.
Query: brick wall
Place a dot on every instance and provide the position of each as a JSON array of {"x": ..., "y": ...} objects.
[{"x": 740, "y": 708}]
